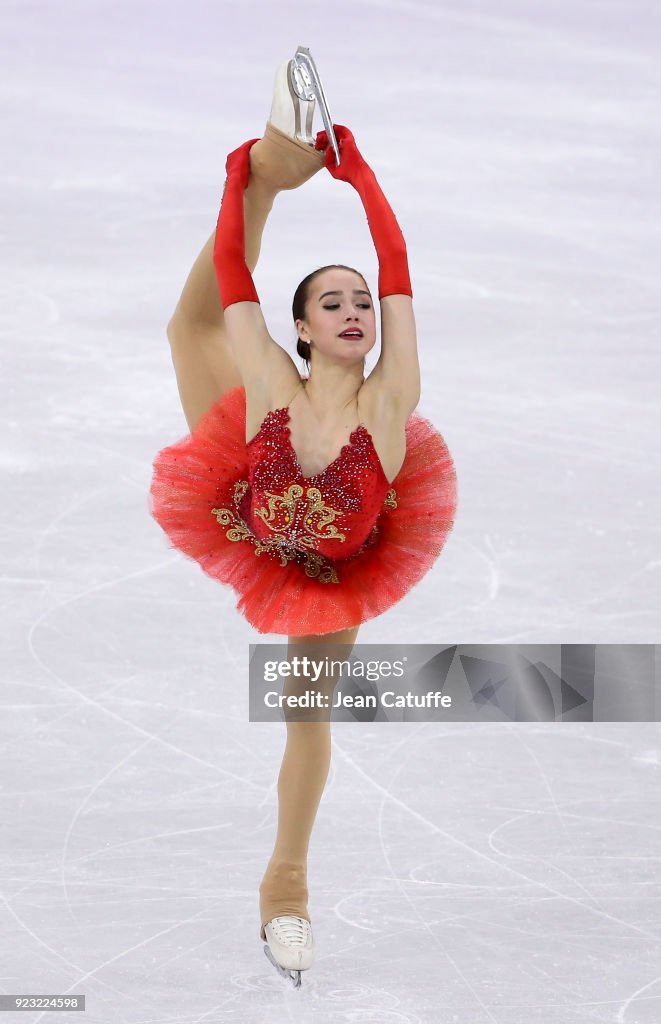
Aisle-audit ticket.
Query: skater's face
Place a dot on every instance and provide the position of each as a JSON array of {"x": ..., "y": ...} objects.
[{"x": 338, "y": 301}]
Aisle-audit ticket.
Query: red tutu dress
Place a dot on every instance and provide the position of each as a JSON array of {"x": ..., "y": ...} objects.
[{"x": 306, "y": 555}]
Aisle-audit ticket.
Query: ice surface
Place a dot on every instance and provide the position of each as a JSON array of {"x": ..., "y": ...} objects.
[{"x": 501, "y": 874}]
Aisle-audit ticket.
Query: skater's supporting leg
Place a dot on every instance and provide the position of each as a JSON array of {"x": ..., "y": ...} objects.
[{"x": 301, "y": 784}]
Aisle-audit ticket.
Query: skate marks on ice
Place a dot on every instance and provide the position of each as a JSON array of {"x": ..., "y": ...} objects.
[{"x": 557, "y": 886}]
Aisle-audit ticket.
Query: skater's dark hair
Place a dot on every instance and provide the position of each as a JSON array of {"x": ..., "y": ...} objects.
[{"x": 301, "y": 300}]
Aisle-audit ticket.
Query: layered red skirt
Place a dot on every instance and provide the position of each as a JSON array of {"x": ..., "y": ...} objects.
[{"x": 198, "y": 474}]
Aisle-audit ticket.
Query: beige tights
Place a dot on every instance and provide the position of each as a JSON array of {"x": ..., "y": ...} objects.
[
  {"x": 280, "y": 162},
  {"x": 301, "y": 782}
]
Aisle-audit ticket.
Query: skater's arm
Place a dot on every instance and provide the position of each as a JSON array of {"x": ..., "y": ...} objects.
[
  {"x": 398, "y": 366},
  {"x": 257, "y": 354}
]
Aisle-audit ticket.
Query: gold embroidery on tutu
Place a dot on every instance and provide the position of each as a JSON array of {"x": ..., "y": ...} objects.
[
  {"x": 315, "y": 565},
  {"x": 279, "y": 513},
  {"x": 318, "y": 567},
  {"x": 316, "y": 515}
]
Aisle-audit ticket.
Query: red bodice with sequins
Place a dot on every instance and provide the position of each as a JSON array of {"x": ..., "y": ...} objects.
[{"x": 331, "y": 513}]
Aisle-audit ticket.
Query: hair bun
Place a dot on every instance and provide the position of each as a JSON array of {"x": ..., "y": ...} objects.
[{"x": 303, "y": 349}]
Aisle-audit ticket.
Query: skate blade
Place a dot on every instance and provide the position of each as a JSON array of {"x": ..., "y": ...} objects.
[
  {"x": 293, "y": 976},
  {"x": 302, "y": 106},
  {"x": 307, "y": 85}
]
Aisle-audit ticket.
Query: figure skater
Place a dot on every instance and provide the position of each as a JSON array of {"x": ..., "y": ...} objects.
[{"x": 321, "y": 499}]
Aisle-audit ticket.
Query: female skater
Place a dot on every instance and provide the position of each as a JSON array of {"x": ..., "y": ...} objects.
[{"x": 322, "y": 499}]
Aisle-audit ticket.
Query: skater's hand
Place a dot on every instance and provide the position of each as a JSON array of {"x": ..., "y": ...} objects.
[
  {"x": 238, "y": 162},
  {"x": 351, "y": 161}
]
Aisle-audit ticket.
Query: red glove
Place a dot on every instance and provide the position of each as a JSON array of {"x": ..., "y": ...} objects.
[
  {"x": 386, "y": 233},
  {"x": 351, "y": 160},
  {"x": 235, "y": 281}
]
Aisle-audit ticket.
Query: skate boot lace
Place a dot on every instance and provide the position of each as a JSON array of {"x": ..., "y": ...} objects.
[{"x": 292, "y": 931}]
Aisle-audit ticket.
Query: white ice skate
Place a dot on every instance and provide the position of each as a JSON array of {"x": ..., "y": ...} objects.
[
  {"x": 291, "y": 112},
  {"x": 290, "y": 946},
  {"x": 305, "y": 88}
]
